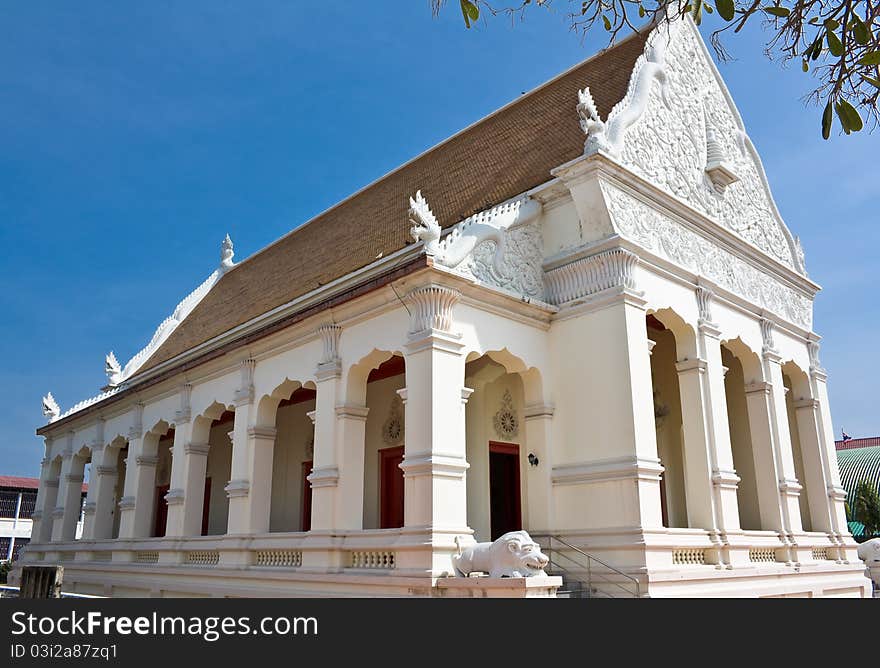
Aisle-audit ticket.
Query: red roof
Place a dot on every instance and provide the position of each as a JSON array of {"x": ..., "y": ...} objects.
[
  {"x": 16, "y": 482},
  {"x": 852, "y": 443}
]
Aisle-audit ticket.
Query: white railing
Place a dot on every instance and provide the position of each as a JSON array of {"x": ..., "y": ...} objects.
[
  {"x": 146, "y": 557},
  {"x": 762, "y": 554},
  {"x": 202, "y": 558},
  {"x": 688, "y": 556},
  {"x": 372, "y": 559},
  {"x": 278, "y": 558}
]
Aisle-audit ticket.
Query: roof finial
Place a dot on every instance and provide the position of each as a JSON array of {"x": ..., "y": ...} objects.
[
  {"x": 424, "y": 223},
  {"x": 50, "y": 408},
  {"x": 227, "y": 252},
  {"x": 113, "y": 369}
]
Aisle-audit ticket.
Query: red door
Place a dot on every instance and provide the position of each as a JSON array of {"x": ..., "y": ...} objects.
[
  {"x": 161, "y": 510},
  {"x": 206, "y": 506},
  {"x": 391, "y": 488},
  {"x": 505, "y": 510},
  {"x": 306, "y": 497}
]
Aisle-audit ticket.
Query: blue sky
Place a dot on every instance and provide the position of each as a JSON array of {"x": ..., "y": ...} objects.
[{"x": 133, "y": 140}]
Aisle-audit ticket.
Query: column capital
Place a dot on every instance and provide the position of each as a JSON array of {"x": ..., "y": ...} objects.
[
  {"x": 73, "y": 478},
  {"x": 237, "y": 488},
  {"x": 352, "y": 412},
  {"x": 51, "y": 483},
  {"x": 184, "y": 414},
  {"x": 196, "y": 448},
  {"x": 174, "y": 497},
  {"x": 262, "y": 433},
  {"x": 245, "y": 393},
  {"x": 106, "y": 470},
  {"x": 89, "y": 508},
  {"x": 146, "y": 460},
  {"x": 330, "y": 333},
  {"x": 605, "y": 271},
  {"x": 312, "y": 415},
  {"x": 837, "y": 493},
  {"x": 57, "y": 512},
  {"x": 790, "y": 487},
  {"x": 536, "y": 411},
  {"x": 432, "y": 309},
  {"x": 435, "y": 465},
  {"x": 687, "y": 365},
  {"x": 328, "y": 370},
  {"x": 136, "y": 430},
  {"x": 324, "y": 476},
  {"x": 806, "y": 403},
  {"x": 434, "y": 339},
  {"x": 726, "y": 479},
  {"x": 127, "y": 503},
  {"x": 466, "y": 393},
  {"x": 762, "y": 386}
]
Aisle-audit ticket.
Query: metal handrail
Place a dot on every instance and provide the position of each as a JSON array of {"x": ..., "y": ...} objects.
[{"x": 590, "y": 572}]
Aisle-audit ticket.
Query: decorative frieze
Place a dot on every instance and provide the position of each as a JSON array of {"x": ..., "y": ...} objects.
[
  {"x": 590, "y": 275},
  {"x": 673, "y": 241},
  {"x": 431, "y": 308}
]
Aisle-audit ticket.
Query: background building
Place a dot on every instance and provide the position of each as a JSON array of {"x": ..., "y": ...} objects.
[{"x": 859, "y": 459}]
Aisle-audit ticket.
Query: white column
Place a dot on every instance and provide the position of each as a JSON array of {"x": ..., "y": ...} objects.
[
  {"x": 538, "y": 420},
  {"x": 836, "y": 495},
  {"x": 324, "y": 477},
  {"x": 47, "y": 493},
  {"x": 174, "y": 497},
  {"x": 144, "y": 494},
  {"x": 127, "y": 504},
  {"x": 67, "y": 511},
  {"x": 434, "y": 466},
  {"x": 101, "y": 496},
  {"x": 711, "y": 481}
]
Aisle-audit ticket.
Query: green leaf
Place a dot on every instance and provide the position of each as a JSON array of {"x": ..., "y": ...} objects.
[
  {"x": 831, "y": 24},
  {"x": 860, "y": 31},
  {"x": 835, "y": 46},
  {"x": 606, "y": 22},
  {"x": 849, "y": 117},
  {"x": 780, "y": 12},
  {"x": 805, "y": 66},
  {"x": 871, "y": 80},
  {"x": 725, "y": 9},
  {"x": 870, "y": 58},
  {"x": 469, "y": 11},
  {"x": 698, "y": 12},
  {"x": 642, "y": 12},
  {"x": 817, "y": 48},
  {"x": 827, "y": 118}
]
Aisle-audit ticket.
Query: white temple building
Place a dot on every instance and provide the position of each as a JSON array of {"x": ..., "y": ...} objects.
[{"x": 582, "y": 316}]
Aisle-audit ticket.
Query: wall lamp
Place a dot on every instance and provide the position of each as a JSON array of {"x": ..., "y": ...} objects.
[{"x": 533, "y": 460}]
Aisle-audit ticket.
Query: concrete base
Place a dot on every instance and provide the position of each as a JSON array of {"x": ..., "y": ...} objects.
[{"x": 536, "y": 587}]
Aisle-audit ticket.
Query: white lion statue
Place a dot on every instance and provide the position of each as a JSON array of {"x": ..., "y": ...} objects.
[
  {"x": 869, "y": 552},
  {"x": 513, "y": 555}
]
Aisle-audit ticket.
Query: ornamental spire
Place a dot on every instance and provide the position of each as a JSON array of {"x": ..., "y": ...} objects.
[
  {"x": 113, "y": 369},
  {"x": 50, "y": 408},
  {"x": 227, "y": 252}
]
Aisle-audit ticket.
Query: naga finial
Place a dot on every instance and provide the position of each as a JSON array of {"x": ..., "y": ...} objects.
[
  {"x": 112, "y": 368},
  {"x": 424, "y": 223},
  {"x": 591, "y": 123},
  {"x": 50, "y": 408},
  {"x": 227, "y": 252}
]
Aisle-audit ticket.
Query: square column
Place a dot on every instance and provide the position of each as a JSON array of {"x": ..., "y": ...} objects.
[
  {"x": 47, "y": 494},
  {"x": 812, "y": 452},
  {"x": 434, "y": 465},
  {"x": 189, "y": 501},
  {"x": 836, "y": 495},
  {"x": 538, "y": 422},
  {"x": 137, "y": 474},
  {"x": 99, "y": 503},
  {"x": 175, "y": 495},
  {"x": 67, "y": 512}
]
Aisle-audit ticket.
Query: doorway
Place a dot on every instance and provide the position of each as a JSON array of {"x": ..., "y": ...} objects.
[
  {"x": 391, "y": 488},
  {"x": 505, "y": 508}
]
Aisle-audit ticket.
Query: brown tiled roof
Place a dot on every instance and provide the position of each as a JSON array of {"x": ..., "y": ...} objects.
[
  {"x": 499, "y": 157},
  {"x": 852, "y": 443}
]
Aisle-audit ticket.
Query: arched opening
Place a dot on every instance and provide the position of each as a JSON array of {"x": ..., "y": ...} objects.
[
  {"x": 288, "y": 410},
  {"x": 159, "y": 514},
  {"x": 218, "y": 471},
  {"x": 120, "y": 446},
  {"x": 796, "y": 384},
  {"x": 742, "y": 447},
  {"x": 376, "y": 383},
  {"x": 668, "y": 419},
  {"x": 497, "y": 448}
]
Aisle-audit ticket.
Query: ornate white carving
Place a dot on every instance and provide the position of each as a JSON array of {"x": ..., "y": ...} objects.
[
  {"x": 767, "y": 335},
  {"x": 90, "y": 401},
  {"x": 137, "y": 422},
  {"x": 813, "y": 350},
  {"x": 392, "y": 428},
  {"x": 499, "y": 247},
  {"x": 113, "y": 369},
  {"x": 609, "y": 136},
  {"x": 720, "y": 173},
  {"x": 425, "y": 227},
  {"x": 330, "y": 334},
  {"x": 690, "y": 141},
  {"x": 667, "y": 238},
  {"x": 51, "y": 409},
  {"x": 704, "y": 303},
  {"x": 431, "y": 308},
  {"x": 184, "y": 414},
  {"x": 869, "y": 552},
  {"x": 589, "y": 275},
  {"x": 244, "y": 394},
  {"x": 505, "y": 421},
  {"x": 513, "y": 555},
  {"x": 227, "y": 252}
]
